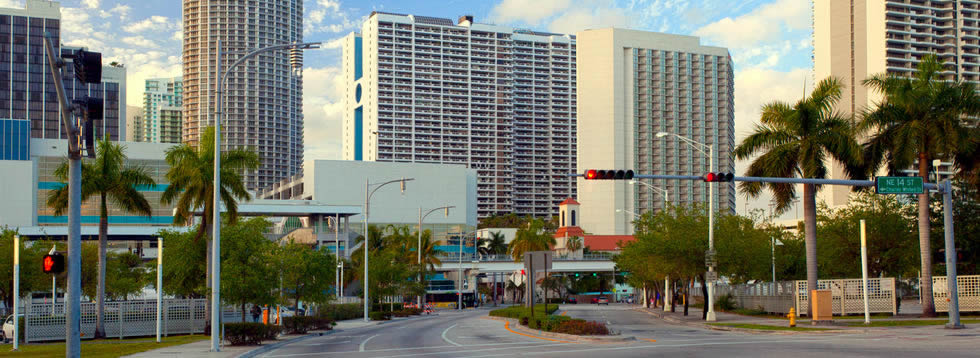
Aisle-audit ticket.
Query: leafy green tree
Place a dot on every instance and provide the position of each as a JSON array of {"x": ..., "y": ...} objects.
[
  {"x": 127, "y": 275},
  {"x": 184, "y": 266},
  {"x": 797, "y": 140},
  {"x": 532, "y": 237},
  {"x": 109, "y": 178},
  {"x": 31, "y": 277},
  {"x": 191, "y": 178},
  {"x": 307, "y": 274},
  {"x": 248, "y": 273},
  {"x": 920, "y": 118}
]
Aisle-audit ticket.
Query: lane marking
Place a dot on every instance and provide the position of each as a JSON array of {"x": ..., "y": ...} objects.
[
  {"x": 322, "y": 344},
  {"x": 648, "y": 339},
  {"x": 517, "y": 344},
  {"x": 507, "y": 326},
  {"x": 447, "y": 339},
  {"x": 365, "y": 342}
]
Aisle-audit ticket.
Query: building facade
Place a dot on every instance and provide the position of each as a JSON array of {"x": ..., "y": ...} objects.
[
  {"x": 633, "y": 85},
  {"x": 27, "y": 92},
  {"x": 855, "y": 39},
  {"x": 433, "y": 186},
  {"x": 263, "y": 97},
  {"x": 496, "y": 99},
  {"x": 162, "y": 106}
]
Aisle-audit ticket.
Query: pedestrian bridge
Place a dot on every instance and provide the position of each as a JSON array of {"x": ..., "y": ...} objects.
[{"x": 505, "y": 263}]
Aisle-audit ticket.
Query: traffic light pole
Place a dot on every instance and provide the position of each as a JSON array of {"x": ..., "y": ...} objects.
[
  {"x": 946, "y": 188},
  {"x": 74, "y": 285},
  {"x": 710, "y": 316}
]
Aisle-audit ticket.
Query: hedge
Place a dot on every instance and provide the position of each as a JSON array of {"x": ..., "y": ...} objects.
[
  {"x": 340, "y": 312},
  {"x": 250, "y": 333},
  {"x": 380, "y": 316},
  {"x": 302, "y": 324},
  {"x": 544, "y": 320}
]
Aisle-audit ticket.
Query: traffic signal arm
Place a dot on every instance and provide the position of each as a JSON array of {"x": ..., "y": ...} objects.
[{"x": 861, "y": 183}]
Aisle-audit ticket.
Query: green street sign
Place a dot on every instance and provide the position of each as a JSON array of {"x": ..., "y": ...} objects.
[{"x": 898, "y": 185}]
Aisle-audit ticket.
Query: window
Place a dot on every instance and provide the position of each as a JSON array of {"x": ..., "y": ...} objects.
[{"x": 573, "y": 217}]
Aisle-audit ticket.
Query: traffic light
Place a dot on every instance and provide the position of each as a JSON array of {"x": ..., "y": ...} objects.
[
  {"x": 610, "y": 174},
  {"x": 595, "y": 274},
  {"x": 53, "y": 264},
  {"x": 718, "y": 177},
  {"x": 88, "y": 66},
  {"x": 93, "y": 111},
  {"x": 576, "y": 274}
]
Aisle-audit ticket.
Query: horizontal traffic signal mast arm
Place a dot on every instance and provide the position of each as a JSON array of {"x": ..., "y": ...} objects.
[{"x": 768, "y": 180}]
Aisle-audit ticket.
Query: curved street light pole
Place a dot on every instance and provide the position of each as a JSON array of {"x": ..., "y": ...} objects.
[
  {"x": 708, "y": 151},
  {"x": 662, "y": 191},
  {"x": 418, "y": 249},
  {"x": 216, "y": 220},
  {"x": 367, "y": 210}
]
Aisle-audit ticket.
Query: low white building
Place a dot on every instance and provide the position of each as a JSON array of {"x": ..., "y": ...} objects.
[{"x": 342, "y": 182}]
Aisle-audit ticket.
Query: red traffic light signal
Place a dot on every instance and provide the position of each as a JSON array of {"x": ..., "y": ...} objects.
[
  {"x": 610, "y": 174},
  {"x": 718, "y": 177},
  {"x": 53, "y": 264}
]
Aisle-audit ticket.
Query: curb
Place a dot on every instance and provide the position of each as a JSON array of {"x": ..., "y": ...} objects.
[
  {"x": 563, "y": 336},
  {"x": 743, "y": 330},
  {"x": 269, "y": 347}
]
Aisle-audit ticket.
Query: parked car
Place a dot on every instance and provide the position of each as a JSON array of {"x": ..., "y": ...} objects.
[
  {"x": 595, "y": 300},
  {"x": 8, "y": 328},
  {"x": 571, "y": 299},
  {"x": 602, "y": 300}
]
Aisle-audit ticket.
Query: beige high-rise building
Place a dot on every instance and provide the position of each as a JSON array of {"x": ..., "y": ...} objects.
[
  {"x": 263, "y": 97},
  {"x": 854, "y": 39},
  {"x": 633, "y": 85}
]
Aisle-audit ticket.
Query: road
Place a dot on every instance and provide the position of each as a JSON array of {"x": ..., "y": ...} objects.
[{"x": 471, "y": 334}]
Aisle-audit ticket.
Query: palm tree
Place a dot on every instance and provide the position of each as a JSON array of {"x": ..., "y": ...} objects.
[
  {"x": 497, "y": 244},
  {"x": 191, "y": 178},
  {"x": 112, "y": 180},
  {"x": 532, "y": 237},
  {"x": 920, "y": 118},
  {"x": 512, "y": 287},
  {"x": 430, "y": 257},
  {"x": 797, "y": 141},
  {"x": 573, "y": 244}
]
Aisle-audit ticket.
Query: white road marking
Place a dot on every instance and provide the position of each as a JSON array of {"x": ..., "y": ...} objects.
[
  {"x": 365, "y": 342},
  {"x": 447, "y": 339},
  {"x": 321, "y": 344},
  {"x": 525, "y": 344}
]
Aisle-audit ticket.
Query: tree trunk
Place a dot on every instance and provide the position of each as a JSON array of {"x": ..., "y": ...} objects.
[
  {"x": 925, "y": 248},
  {"x": 687, "y": 299},
  {"x": 810, "y": 240},
  {"x": 100, "y": 286},
  {"x": 243, "y": 312},
  {"x": 704, "y": 293}
]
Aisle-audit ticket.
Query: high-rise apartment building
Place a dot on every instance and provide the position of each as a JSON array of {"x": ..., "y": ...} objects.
[
  {"x": 27, "y": 93},
  {"x": 496, "y": 99},
  {"x": 633, "y": 85},
  {"x": 162, "y": 106},
  {"x": 854, "y": 39},
  {"x": 263, "y": 97}
]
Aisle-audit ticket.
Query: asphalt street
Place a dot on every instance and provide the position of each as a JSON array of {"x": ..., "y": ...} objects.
[{"x": 472, "y": 334}]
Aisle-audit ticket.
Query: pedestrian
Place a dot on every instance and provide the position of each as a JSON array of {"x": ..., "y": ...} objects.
[{"x": 256, "y": 312}]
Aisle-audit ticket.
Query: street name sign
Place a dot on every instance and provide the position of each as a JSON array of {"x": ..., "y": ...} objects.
[{"x": 898, "y": 185}]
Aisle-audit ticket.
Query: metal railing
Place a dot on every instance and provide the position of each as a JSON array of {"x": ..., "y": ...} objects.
[{"x": 595, "y": 256}]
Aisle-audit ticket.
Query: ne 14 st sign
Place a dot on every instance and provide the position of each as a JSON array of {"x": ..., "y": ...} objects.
[{"x": 898, "y": 185}]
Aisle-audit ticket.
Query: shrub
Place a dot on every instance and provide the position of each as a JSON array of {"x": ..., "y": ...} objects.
[
  {"x": 249, "y": 333},
  {"x": 298, "y": 324},
  {"x": 524, "y": 320},
  {"x": 340, "y": 312},
  {"x": 581, "y": 327},
  {"x": 725, "y": 303},
  {"x": 380, "y": 316}
]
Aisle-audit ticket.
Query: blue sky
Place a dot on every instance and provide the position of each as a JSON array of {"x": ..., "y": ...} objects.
[{"x": 769, "y": 41}]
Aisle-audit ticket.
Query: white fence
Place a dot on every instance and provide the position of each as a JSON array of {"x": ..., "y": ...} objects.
[
  {"x": 967, "y": 288},
  {"x": 123, "y": 319},
  {"x": 848, "y": 297}
]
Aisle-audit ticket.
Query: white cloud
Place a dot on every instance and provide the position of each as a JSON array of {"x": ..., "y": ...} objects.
[
  {"x": 323, "y": 90},
  {"x": 13, "y": 4},
  {"x": 754, "y": 87},
  {"x": 767, "y": 23},
  {"x": 119, "y": 10},
  {"x": 178, "y": 35},
  {"x": 91, "y": 4},
  {"x": 582, "y": 18},
  {"x": 527, "y": 11},
  {"x": 152, "y": 23},
  {"x": 139, "y": 41}
]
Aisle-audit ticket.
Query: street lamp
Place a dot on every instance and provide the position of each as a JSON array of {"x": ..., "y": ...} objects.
[
  {"x": 418, "y": 249},
  {"x": 459, "y": 279},
  {"x": 708, "y": 151},
  {"x": 367, "y": 210},
  {"x": 635, "y": 215},
  {"x": 774, "y": 243},
  {"x": 216, "y": 220},
  {"x": 659, "y": 190}
]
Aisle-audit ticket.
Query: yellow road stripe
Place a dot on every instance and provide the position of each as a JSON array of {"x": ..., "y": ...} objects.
[
  {"x": 507, "y": 326},
  {"x": 651, "y": 340}
]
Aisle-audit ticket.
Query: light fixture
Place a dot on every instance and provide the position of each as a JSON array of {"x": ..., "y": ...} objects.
[{"x": 662, "y": 134}]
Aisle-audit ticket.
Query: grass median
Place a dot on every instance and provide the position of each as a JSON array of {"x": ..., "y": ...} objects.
[
  {"x": 99, "y": 347},
  {"x": 910, "y": 322},
  {"x": 766, "y": 327}
]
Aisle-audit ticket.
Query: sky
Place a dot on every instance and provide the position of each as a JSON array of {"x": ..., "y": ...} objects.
[{"x": 770, "y": 43}]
